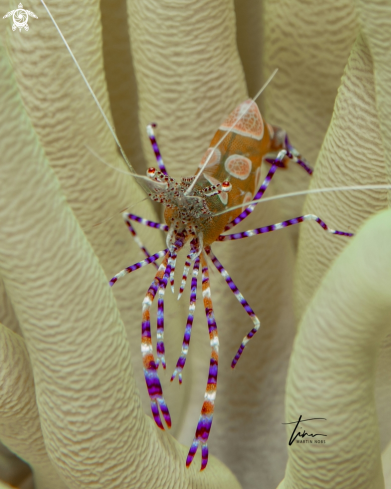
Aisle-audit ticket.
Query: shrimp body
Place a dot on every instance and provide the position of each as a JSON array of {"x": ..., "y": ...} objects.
[{"x": 237, "y": 160}]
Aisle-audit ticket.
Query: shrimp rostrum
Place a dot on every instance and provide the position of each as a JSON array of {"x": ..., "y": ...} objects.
[{"x": 198, "y": 210}]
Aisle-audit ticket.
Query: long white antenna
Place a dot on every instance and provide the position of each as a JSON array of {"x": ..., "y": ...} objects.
[
  {"x": 91, "y": 91},
  {"x": 148, "y": 182},
  {"x": 229, "y": 131},
  {"x": 306, "y": 192}
]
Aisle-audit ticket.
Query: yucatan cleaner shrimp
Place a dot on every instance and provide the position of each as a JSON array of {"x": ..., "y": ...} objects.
[
  {"x": 228, "y": 177},
  {"x": 198, "y": 210}
]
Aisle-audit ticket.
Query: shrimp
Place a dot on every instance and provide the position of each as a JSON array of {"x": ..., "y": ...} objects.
[{"x": 199, "y": 209}]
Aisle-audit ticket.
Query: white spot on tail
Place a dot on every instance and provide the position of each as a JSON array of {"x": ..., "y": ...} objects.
[
  {"x": 238, "y": 166},
  {"x": 250, "y": 125}
]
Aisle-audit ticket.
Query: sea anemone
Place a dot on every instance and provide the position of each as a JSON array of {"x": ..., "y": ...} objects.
[{"x": 73, "y": 402}]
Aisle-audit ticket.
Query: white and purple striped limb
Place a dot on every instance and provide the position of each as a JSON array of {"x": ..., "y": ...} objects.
[
  {"x": 160, "y": 350},
  {"x": 145, "y": 222},
  {"x": 205, "y": 421},
  {"x": 138, "y": 265},
  {"x": 257, "y": 196},
  {"x": 242, "y": 301},
  {"x": 281, "y": 225},
  {"x": 137, "y": 239},
  {"x": 304, "y": 165},
  {"x": 172, "y": 263},
  {"x": 155, "y": 147},
  {"x": 189, "y": 324},
  {"x": 186, "y": 269},
  {"x": 150, "y": 368},
  {"x": 294, "y": 156}
]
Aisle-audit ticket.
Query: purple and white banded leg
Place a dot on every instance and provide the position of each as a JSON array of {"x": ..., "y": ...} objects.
[
  {"x": 243, "y": 302},
  {"x": 155, "y": 147},
  {"x": 172, "y": 263},
  {"x": 136, "y": 266},
  {"x": 282, "y": 225},
  {"x": 257, "y": 196},
  {"x": 136, "y": 238},
  {"x": 150, "y": 368},
  {"x": 186, "y": 269},
  {"x": 295, "y": 156},
  {"x": 145, "y": 222},
  {"x": 160, "y": 350},
  {"x": 189, "y": 324},
  {"x": 205, "y": 421},
  {"x": 275, "y": 162}
]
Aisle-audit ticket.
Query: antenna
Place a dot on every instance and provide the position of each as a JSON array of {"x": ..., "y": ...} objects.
[
  {"x": 131, "y": 169},
  {"x": 306, "y": 192}
]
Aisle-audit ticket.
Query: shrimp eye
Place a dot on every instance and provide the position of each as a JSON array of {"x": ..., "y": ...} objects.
[
  {"x": 151, "y": 171},
  {"x": 226, "y": 186}
]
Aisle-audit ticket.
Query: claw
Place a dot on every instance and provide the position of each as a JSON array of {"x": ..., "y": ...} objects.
[{"x": 178, "y": 370}]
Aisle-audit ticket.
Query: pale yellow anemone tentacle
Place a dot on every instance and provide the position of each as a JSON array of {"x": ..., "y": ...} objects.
[
  {"x": 94, "y": 429},
  {"x": 310, "y": 44},
  {"x": 333, "y": 367},
  {"x": 19, "y": 420},
  {"x": 66, "y": 119},
  {"x": 352, "y": 154},
  {"x": 375, "y": 20}
]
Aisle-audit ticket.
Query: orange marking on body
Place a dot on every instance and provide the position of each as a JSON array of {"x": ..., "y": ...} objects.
[
  {"x": 247, "y": 198},
  {"x": 214, "y": 159},
  {"x": 215, "y": 354},
  {"x": 271, "y": 130},
  {"x": 147, "y": 360},
  {"x": 257, "y": 178},
  {"x": 210, "y": 387},
  {"x": 208, "y": 303},
  {"x": 145, "y": 340},
  {"x": 238, "y": 166},
  {"x": 251, "y": 124},
  {"x": 207, "y": 408}
]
